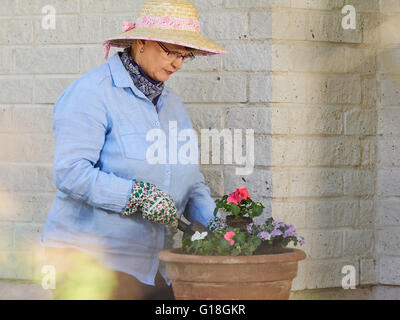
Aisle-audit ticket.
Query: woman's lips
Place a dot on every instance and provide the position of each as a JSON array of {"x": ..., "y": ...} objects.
[{"x": 169, "y": 72}]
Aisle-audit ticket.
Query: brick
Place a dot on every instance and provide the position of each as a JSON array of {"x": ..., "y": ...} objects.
[
  {"x": 91, "y": 57},
  {"x": 324, "y": 244},
  {"x": 16, "y": 31},
  {"x": 111, "y": 6},
  {"x": 16, "y": 265},
  {"x": 207, "y": 4},
  {"x": 248, "y": 57},
  {"x": 317, "y": 58},
  {"x": 389, "y": 152},
  {"x": 214, "y": 180},
  {"x": 262, "y": 146},
  {"x": 388, "y": 241},
  {"x": 388, "y": 29},
  {"x": 364, "y": 5},
  {"x": 277, "y": 25},
  {"x": 331, "y": 214},
  {"x": 288, "y": 152},
  {"x": 360, "y": 122},
  {"x": 27, "y": 236},
  {"x": 31, "y": 119},
  {"x": 317, "y": 4},
  {"x": 205, "y": 117},
  {"x": 5, "y": 60},
  {"x": 258, "y": 118},
  {"x": 24, "y": 207},
  {"x": 209, "y": 63},
  {"x": 209, "y": 87},
  {"x": 313, "y": 182},
  {"x": 317, "y": 89},
  {"x": 359, "y": 243},
  {"x": 256, "y": 3},
  {"x": 390, "y": 91},
  {"x": 389, "y": 271},
  {"x": 5, "y": 118},
  {"x": 71, "y": 30},
  {"x": 359, "y": 182},
  {"x": 333, "y": 151},
  {"x": 47, "y": 60},
  {"x": 261, "y": 88},
  {"x": 16, "y": 90},
  {"x": 286, "y": 88},
  {"x": 370, "y": 27},
  {"x": 389, "y": 60},
  {"x": 47, "y": 90},
  {"x": 220, "y": 25},
  {"x": 367, "y": 271},
  {"x": 317, "y": 120},
  {"x": 328, "y": 27},
  {"x": 388, "y": 183},
  {"x": 6, "y": 236},
  {"x": 280, "y": 120},
  {"x": 21, "y": 178},
  {"x": 387, "y": 212},
  {"x": 293, "y": 212},
  {"x": 369, "y": 92},
  {"x": 344, "y": 90},
  {"x": 26, "y": 148},
  {"x": 35, "y": 7},
  {"x": 388, "y": 121},
  {"x": 368, "y": 152},
  {"x": 328, "y": 273},
  {"x": 367, "y": 217},
  {"x": 389, "y": 6},
  {"x": 386, "y": 292},
  {"x": 8, "y": 8},
  {"x": 360, "y": 60}
]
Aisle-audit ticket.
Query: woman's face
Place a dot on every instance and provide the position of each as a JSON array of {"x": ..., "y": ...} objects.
[{"x": 155, "y": 61}]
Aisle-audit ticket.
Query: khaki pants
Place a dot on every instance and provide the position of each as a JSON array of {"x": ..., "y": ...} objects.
[{"x": 81, "y": 277}]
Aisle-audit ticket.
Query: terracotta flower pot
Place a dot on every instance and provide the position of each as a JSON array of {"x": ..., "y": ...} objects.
[{"x": 257, "y": 277}]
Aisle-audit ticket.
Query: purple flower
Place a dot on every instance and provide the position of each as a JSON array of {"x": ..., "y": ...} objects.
[
  {"x": 302, "y": 240},
  {"x": 250, "y": 227},
  {"x": 276, "y": 232},
  {"x": 264, "y": 235},
  {"x": 291, "y": 232}
]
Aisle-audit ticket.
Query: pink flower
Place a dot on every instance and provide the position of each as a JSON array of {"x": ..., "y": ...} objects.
[
  {"x": 239, "y": 194},
  {"x": 229, "y": 237}
]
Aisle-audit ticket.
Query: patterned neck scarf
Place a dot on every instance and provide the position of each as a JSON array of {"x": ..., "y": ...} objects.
[{"x": 151, "y": 89}]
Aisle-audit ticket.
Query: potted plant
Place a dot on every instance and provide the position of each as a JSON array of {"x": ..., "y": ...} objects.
[{"x": 235, "y": 258}]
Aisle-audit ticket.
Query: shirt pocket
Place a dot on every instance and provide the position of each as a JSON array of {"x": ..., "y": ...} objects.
[{"x": 134, "y": 145}]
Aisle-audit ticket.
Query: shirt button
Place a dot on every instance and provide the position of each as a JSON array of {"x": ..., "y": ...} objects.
[{"x": 156, "y": 123}]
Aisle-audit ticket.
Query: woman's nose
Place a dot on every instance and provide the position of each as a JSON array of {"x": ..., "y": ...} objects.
[{"x": 177, "y": 63}]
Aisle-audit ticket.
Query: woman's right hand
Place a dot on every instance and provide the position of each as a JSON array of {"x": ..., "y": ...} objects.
[{"x": 156, "y": 205}]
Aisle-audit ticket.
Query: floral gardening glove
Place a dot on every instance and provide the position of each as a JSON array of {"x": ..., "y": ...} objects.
[{"x": 156, "y": 205}]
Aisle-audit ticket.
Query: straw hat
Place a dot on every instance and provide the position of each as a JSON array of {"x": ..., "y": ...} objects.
[{"x": 171, "y": 21}]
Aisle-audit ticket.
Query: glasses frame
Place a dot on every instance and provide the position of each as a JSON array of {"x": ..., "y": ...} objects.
[{"x": 185, "y": 58}]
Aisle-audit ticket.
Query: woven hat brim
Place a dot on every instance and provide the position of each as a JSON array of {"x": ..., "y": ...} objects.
[{"x": 192, "y": 39}]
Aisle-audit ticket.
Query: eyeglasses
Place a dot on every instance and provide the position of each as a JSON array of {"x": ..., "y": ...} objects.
[{"x": 172, "y": 55}]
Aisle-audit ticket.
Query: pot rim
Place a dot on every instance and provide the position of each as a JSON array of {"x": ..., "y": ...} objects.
[{"x": 173, "y": 255}]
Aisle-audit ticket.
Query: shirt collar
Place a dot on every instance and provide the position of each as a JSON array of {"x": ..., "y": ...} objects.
[{"x": 122, "y": 79}]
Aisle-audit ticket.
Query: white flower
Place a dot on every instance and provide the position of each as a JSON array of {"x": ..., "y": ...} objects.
[{"x": 199, "y": 236}]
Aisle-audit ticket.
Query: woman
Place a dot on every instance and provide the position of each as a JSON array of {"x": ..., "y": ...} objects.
[{"x": 114, "y": 209}]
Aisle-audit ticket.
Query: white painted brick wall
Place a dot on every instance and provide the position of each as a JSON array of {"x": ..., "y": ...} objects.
[
  {"x": 388, "y": 133},
  {"x": 323, "y": 101}
]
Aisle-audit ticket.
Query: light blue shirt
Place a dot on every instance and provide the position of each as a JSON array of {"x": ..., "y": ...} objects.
[{"x": 100, "y": 124}]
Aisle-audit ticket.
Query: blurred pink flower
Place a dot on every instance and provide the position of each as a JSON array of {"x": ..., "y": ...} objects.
[
  {"x": 239, "y": 194},
  {"x": 229, "y": 237}
]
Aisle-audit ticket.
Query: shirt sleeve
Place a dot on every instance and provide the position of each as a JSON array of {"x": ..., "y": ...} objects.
[
  {"x": 200, "y": 206},
  {"x": 80, "y": 125}
]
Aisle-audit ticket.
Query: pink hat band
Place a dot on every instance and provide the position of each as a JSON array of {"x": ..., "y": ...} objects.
[{"x": 187, "y": 24}]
